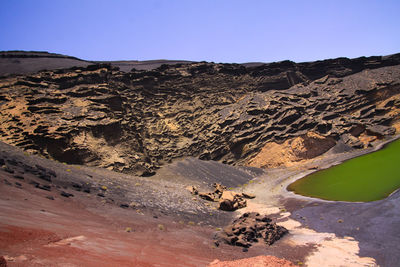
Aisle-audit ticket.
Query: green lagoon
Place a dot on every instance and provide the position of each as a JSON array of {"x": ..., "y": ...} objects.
[{"x": 369, "y": 177}]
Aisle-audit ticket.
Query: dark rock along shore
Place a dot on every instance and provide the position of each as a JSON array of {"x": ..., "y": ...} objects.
[{"x": 135, "y": 122}]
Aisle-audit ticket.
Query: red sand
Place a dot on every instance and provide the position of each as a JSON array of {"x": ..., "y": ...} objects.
[
  {"x": 81, "y": 231},
  {"x": 259, "y": 261}
]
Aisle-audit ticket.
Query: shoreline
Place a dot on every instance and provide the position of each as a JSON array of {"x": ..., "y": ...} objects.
[{"x": 341, "y": 159}]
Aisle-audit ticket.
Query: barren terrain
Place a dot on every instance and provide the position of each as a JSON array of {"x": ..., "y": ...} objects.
[{"x": 96, "y": 162}]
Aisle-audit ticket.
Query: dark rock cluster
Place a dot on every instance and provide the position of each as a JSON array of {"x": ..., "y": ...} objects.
[
  {"x": 250, "y": 228},
  {"x": 134, "y": 122},
  {"x": 3, "y": 262},
  {"x": 228, "y": 200}
]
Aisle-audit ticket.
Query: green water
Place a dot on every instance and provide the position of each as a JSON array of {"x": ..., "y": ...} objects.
[{"x": 369, "y": 177}]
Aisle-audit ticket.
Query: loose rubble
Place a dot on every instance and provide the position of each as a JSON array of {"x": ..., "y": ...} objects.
[
  {"x": 228, "y": 200},
  {"x": 250, "y": 228}
]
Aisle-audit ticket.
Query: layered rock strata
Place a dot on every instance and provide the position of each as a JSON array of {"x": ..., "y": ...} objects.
[
  {"x": 135, "y": 122},
  {"x": 250, "y": 228}
]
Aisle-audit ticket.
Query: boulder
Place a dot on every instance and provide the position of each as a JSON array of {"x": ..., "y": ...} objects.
[
  {"x": 226, "y": 205},
  {"x": 228, "y": 200},
  {"x": 230, "y": 195},
  {"x": 248, "y": 195},
  {"x": 192, "y": 190},
  {"x": 3, "y": 262},
  {"x": 207, "y": 196},
  {"x": 250, "y": 228},
  {"x": 219, "y": 188}
]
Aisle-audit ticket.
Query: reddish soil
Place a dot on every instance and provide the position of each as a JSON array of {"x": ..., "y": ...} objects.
[
  {"x": 259, "y": 261},
  {"x": 82, "y": 231}
]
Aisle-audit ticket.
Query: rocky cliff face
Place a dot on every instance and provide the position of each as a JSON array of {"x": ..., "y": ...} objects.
[{"x": 136, "y": 121}]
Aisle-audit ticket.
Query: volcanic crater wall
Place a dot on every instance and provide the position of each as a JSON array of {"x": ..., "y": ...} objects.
[{"x": 136, "y": 121}]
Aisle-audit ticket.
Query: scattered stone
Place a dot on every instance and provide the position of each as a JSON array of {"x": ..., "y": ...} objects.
[
  {"x": 247, "y": 195},
  {"x": 45, "y": 176},
  {"x": 50, "y": 197},
  {"x": 65, "y": 194},
  {"x": 219, "y": 189},
  {"x": 17, "y": 176},
  {"x": 34, "y": 183},
  {"x": 86, "y": 190},
  {"x": 52, "y": 173},
  {"x": 207, "y": 196},
  {"x": 7, "y": 169},
  {"x": 3, "y": 262},
  {"x": 124, "y": 206},
  {"x": 44, "y": 187},
  {"x": 192, "y": 190},
  {"x": 76, "y": 186}
]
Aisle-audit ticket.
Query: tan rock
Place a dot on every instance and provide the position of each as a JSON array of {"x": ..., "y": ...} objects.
[
  {"x": 207, "y": 196},
  {"x": 192, "y": 190},
  {"x": 230, "y": 195},
  {"x": 219, "y": 188}
]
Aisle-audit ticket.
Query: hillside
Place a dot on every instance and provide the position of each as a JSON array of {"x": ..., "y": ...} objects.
[
  {"x": 134, "y": 122},
  {"x": 24, "y": 62},
  {"x": 141, "y": 163}
]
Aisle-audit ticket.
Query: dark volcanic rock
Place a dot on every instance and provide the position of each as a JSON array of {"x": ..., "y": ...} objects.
[
  {"x": 65, "y": 194},
  {"x": 136, "y": 121},
  {"x": 3, "y": 262},
  {"x": 249, "y": 228}
]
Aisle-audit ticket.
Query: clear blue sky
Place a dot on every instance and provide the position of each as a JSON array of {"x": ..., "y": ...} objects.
[{"x": 210, "y": 30}]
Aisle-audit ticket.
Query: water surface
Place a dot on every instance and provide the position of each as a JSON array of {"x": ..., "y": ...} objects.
[{"x": 369, "y": 177}]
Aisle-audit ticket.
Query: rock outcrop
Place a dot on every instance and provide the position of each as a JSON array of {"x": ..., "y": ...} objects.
[
  {"x": 250, "y": 228},
  {"x": 136, "y": 121},
  {"x": 3, "y": 262},
  {"x": 228, "y": 200}
]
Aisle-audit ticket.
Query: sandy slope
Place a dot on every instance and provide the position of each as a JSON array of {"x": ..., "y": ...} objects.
[
  {"x": 165, "y": 226},
  {"x": 42, "y": 228}
]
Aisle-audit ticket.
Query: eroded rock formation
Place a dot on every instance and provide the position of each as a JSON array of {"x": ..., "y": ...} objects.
[
  {"x": 134, "y": 122},
  {"x": 249, "y": 228},
  {"x": 228, "y": 200}
]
